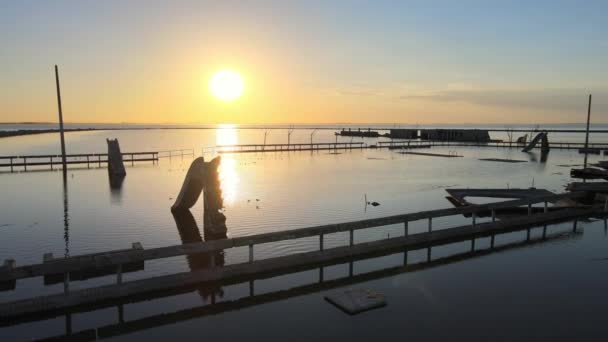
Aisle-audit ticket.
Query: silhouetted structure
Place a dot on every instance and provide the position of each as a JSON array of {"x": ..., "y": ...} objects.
[
  {"x": 115, "y": 164},
  {"x": 63, "y": 158},
  {"x": 359, "y": 133},
  {"x": 403, "y": 133},
  {"x": 471, "y": 135},
  {"x": 203, "y": 177},
  {"x": 214, "y": 223},
  {"x": 542, "y": 136},
  {"x": 192, "y": 186}
]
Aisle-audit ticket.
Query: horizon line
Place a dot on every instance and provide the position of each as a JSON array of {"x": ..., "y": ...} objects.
[{"x": 393, "y": 124}]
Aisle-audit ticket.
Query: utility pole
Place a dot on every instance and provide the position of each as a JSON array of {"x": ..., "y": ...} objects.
[
  {"x": 587, "y": 132},
  {"x": 311, "y": 134},
  {"x": 265, "y": 134},
  {"x": 63, "y": 159},
  {"x": 289, "y": 132}
]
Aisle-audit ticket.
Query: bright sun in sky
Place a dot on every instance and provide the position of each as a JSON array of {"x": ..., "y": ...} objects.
[{"x": 226, "y": 85}]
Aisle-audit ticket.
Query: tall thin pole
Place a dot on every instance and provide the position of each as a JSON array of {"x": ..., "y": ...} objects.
[
  {"x": 587, "y": 132},
  {"x": 63, "y": 159}
]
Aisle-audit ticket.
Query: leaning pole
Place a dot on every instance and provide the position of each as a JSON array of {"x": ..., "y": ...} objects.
[
  {"x": 587, "y": 132},
  {"x": 63, "y": 159}
]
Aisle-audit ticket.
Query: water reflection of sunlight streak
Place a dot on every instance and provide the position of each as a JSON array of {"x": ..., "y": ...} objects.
[
  {"x": 229, "y": 178},
  {"x": 226, "y": 134}
]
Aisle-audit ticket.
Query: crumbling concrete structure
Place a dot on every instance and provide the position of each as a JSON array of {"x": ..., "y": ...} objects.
[{"x": 116, "y": 167}]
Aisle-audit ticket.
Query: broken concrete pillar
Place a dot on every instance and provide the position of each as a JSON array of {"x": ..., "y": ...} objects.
[
  {"x": 116, "y": 167},
  {"x": 542, "y": 136},
  {"x": 204, "y": 177},
  {"x": 192, "y": 186}
]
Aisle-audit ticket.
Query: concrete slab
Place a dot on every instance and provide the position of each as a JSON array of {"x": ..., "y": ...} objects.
[
  {"x": 354, "y": 301},
  {"x": 501, "y": 160}
]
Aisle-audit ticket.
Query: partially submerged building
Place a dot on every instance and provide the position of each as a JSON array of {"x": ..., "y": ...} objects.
[
  {"x": 469, "y": 135},
  {"x": 359, "y": 133},
  {"x": 401, "y": 133}
]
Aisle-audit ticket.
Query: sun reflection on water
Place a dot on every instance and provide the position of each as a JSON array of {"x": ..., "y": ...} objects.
[
  {"x": 229, "y": 178},
  {"x": 226, "y": 134}
]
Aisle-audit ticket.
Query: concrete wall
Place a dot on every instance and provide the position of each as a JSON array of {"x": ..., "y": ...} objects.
[
  {"x": 404, "y": 133},
  {"x": 473, "y": 135}
]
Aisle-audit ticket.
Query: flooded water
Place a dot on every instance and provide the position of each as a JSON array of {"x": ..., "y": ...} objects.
[{"x": 553, "y": 289}]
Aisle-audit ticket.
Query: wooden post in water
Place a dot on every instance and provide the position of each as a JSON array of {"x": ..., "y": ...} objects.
[
  {"x": 587, "y": 132},
  {"x": 63, "y": 160}
]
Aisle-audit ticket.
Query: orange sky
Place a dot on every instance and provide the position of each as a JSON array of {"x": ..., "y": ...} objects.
[{"x": 308, "y": 62}]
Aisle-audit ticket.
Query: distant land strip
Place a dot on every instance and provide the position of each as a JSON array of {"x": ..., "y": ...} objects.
[
  {"x": 8, "y": 134},
  {"x": 22, "y": 132}
]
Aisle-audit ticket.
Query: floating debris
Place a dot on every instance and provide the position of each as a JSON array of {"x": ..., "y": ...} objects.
[
  {"x": 451, "y": 155},
  {"x": 589, "y": 173},
  {"x": 354, "y": 301},
  {"x": 375, "y": 204},
  {"x": 594, "y": 187},
  {"x": 591, "y": 150},
  {"x": 602, "y": 163},
  {"x": 503, "y": 160}
]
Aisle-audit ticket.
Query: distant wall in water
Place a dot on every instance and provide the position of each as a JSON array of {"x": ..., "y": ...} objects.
[
  {"x": 473, "y": 135},
  {"x": 360, "y": 133},
  {"x": 401, "y": 133}
]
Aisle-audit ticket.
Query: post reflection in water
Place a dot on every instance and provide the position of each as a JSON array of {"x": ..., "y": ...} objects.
[
  {"x": 115, "y": 187},
  {"x": 66, "y": 215},
  {"x": 189, "y": 233},
  {"x": 544, "y": 155},
  {"x": 214, "y": 228},
  {"x": 321, "y": 284},
  {"x": 542, "y": 162}
]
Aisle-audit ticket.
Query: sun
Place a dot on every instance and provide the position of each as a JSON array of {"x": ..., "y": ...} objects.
[{"x": 226, "y": 85}]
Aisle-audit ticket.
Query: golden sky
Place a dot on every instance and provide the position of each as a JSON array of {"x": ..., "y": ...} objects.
[{"x": 306, "y": 62}]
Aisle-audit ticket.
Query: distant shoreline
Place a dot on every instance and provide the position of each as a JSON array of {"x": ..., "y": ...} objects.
[
  {"x": 332, "y": 124},
  {"x": 25, "y": 132},
  {"x": 22, "y": 132}
]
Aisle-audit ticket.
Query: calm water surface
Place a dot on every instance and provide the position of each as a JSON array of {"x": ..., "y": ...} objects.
[{"x": 549, "y": 290}]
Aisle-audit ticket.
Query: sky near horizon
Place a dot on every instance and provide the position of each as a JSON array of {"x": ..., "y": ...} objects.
[{"x": 410, "y": 62}]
